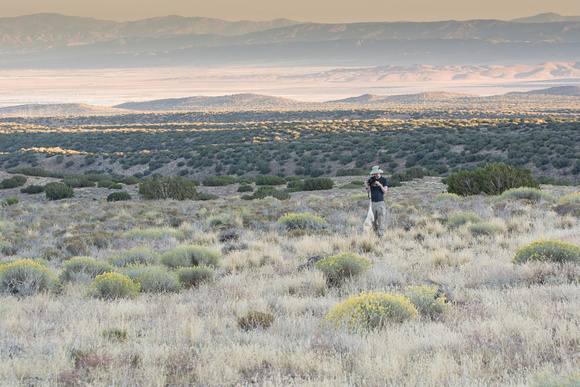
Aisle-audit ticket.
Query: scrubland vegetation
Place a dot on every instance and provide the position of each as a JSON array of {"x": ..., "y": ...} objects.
[{"x": 292, "y": 292}]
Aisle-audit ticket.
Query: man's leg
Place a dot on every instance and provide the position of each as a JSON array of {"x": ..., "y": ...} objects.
[{"x": 380, "y": 218}]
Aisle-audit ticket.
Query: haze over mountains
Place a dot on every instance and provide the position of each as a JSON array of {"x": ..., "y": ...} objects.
[{"x": 57, "y": 41}]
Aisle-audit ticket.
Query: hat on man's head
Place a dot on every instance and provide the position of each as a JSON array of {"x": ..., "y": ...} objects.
[{"x": 376, "y": 169}]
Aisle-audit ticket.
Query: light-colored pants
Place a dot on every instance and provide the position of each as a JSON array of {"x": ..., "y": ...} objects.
[{"x": 380, "y": 213}]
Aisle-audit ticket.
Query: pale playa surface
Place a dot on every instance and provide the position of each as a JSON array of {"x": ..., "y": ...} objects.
[{"x": 311, "y": 84}]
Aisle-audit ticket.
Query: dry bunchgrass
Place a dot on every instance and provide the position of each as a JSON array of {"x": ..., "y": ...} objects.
[{"x": 509, "y": 324}]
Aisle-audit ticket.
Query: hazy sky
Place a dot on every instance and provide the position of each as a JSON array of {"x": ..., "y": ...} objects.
[{"x": 301, "y": 10}]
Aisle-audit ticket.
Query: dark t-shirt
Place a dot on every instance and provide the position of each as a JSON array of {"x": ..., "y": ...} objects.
[{"x": 376, "y": 192}]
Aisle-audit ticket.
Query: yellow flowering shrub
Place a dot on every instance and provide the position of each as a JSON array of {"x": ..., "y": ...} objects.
[
  {"x": 112, "y": 286},
  {"x": 346, "y": 265},
  {"x": 26, "y": 277},
  {"x": 427, "y": 301},
  {"x": 548, "y": 250},
  {"x": 372, "y": 310},
  {"x": 570, "y": 198}
]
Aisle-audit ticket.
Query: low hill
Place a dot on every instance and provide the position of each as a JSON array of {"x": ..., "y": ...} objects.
[
  {"x": 435, "y": 96},
  {"x": 53, "y": 110},
  {"x": 246, "y": 101},
  {"x": 568, "y": 91},
  {"x": 549, "y": 17}
]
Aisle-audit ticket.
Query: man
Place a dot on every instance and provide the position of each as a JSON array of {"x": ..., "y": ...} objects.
[{"x": 377, "y": 187}]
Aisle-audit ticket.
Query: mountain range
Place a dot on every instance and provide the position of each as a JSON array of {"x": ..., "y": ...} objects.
[
  {"x": 57, "y": 41},
  {"x": 249, "y": 101}
]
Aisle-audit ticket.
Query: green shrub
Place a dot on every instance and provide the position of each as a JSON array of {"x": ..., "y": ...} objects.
[
  {"x": 154, "y": 233},
  {"x": 31, "y": 171},
  {"x": 482, "y": 229},
  {"x": 295, "y": 186},
  {"x": 493, "y": 179},
  {"x": 265, "y": 191},
  {"x": 83, "y": 269},
  {"x": 548, "y": 250},
  {"x": 12, "y": 182},
  {"x": 136, "y": 256},
  {"x": 292, "y": 178},
  {"x": 78, "y": 181},
  {"x": 318, "y": 183},
  {"x": 369, "y": 311},
  {"x": 130, "y": 180},
  {"x": 105, "y": 183},
  {"x": 112, "y": 286},
  {"x": 255, "y": 319},
  {"x": 462, "y": 218},
  {"x": 349, "y": 172},
  {"x": 304, "y": 221},
  {"x": 168, "y": 188},
  {"x": 115, "y": 186},
  {"x": 118, "y": 196},
  {"x": 188, "y": 256},
  {"x": 153, "y": 279},
  {"x": 193, "y": 276},
  {"x": 58, "y": 191},
  {"x": 531, "y": 194},
  {"x": 26, "y": 277},
  {"x": 245, "y": 188},
  {"x": 427, "y": 301},
  {"x": 336, "y": 268},
  {"x": 10, "y": 201},
  {"x": 217, "y": 181},
  {"x": 32, "y": 189},
  {"x": 270, "y": 180},
  {"x": 207, "y": 196}
]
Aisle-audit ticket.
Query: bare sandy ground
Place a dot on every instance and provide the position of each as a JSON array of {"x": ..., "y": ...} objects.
[{"x": 108, "y": 87}]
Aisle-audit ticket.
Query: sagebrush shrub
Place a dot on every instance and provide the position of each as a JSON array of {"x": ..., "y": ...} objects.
[
  {"x": 427, "y": 300},
  {"x": 255, "y": 319},
  {"x": 58, "y": 191},
  {"x": 532, "y": 194},
  {"x": 372, "y": 310},
  {"x": 189, "y": 256},
  {"x": 483, "y": 229},
  {"x": 193, "y": 276},
  {"x": 304, "y": 221},
  {"x": 26, "y": 277},
  {"x": 153, "y": 279},
  {"x": 339, "y": 267},
  {"x": 462, "y": 218},
  {"x": 139, "y": 255},
  {"x": 446, "y": 196},
  {"x": 83, "y": 269},
  {"x": 113, "y": 285},
  {"x": 154, "y": 233},
  {"x": 268, "y": 190},
  {"x": 548, "y": 250}
]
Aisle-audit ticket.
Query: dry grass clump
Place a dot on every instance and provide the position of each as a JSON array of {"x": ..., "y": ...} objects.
[
  {"x": 26, "y": 277},
  {"x": 548, "y": 250},
  {"x": 111, "y": 286},
  {"x": 255, "y": 319},
  {"x": 372, "y": 310}
]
